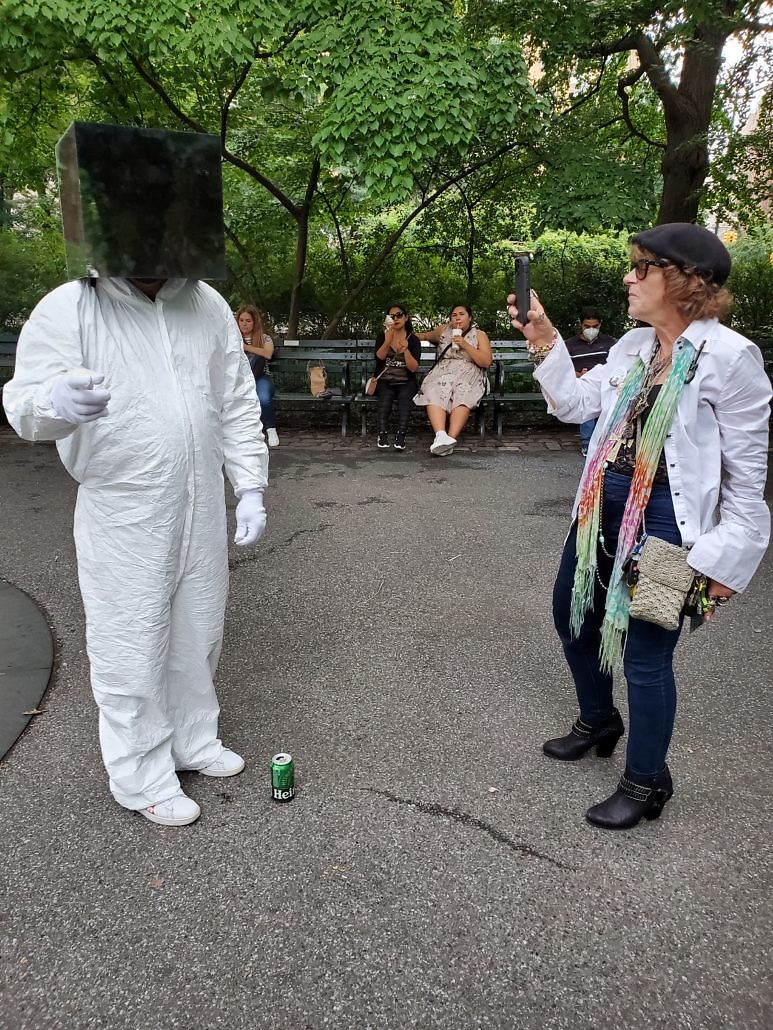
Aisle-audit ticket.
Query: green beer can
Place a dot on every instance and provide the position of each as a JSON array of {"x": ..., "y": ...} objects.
[{"x": 282, "y": 777}]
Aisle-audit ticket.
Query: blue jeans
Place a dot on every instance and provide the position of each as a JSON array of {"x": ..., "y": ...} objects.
[
  {"x": 649, "y": 649},
  {"x": 586, "y": 431},
  {"x": 266, "y": 390}
]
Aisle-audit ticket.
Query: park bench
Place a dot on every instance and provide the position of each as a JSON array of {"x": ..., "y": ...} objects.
[
  {"x": 289, "y": 366},
  {"x": 514, "y": 372},
  {"x": 7, "y": 352},
  {"x": 7, "y": 363},
  {"x": 350, "y": 362},
  {"x": 514, "y": 385}
]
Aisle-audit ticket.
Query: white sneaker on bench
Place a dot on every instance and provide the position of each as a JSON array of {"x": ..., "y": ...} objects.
[{"x": 175, "y": 811}]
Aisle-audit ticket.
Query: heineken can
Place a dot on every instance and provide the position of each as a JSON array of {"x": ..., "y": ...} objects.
[{"x": 282, "y": 777}]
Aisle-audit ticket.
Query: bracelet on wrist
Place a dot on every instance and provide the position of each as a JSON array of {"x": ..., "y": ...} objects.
[{"x": 539, "y": 355}]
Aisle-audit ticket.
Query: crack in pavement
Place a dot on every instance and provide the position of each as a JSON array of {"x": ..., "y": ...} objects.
[
  {"x": 468, "y": 820},
  {"x": 259, "y": 555},
  {"x": 359, "y": 504},
  {"x": 372, "y": 500}
]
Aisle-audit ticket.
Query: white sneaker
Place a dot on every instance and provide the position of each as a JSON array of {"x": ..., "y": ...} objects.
[
  {"x": 442, "y": 444},
  {"x": 273, "y": 437},
  {"x": 227, "y": 763},
  {"x": 177, "y": 811}
]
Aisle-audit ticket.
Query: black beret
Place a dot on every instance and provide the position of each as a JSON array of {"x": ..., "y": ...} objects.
[{"x": 689, "y": 246}]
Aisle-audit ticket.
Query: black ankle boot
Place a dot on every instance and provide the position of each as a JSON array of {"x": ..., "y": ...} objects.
[
  {"x": 582, "y": 737},
  {"x": 636, "y": 798}
]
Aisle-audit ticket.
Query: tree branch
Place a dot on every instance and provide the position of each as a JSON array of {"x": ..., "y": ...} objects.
[
  {"x": 591, "y": 92},
  {"x": 395, "y": 235},
  {"x": 242, "y": 252},
  {"x": 649, "y": 59},
  {"x": 339, "y": 234},
  {"x": 157, "y": 88},
  {"x": 155, "y": 85},
  {"x": 622, "y": 91},
  {"x": 240, "y": 80},
  {"x": 275, "y": 53},
  {"x": 752, "y": 26}
]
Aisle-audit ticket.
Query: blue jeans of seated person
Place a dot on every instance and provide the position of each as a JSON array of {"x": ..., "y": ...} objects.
[
  {"x": 266, "y": 390},
  {"x": 586, "y": 432},
  {"x": 649, "y": 649}
]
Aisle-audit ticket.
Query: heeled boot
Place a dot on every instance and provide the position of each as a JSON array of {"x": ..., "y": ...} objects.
[
  {"x": 636, "y": 798},
  {"x": 583, "y": 736}
]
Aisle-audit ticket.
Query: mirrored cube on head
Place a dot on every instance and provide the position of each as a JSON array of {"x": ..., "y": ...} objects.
[{"x": 141, "y": 203}]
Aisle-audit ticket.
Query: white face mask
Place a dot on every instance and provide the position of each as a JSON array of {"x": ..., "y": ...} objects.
[{"x": 590, "y": 334}]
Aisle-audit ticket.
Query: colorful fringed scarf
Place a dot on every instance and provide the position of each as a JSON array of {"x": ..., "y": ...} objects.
[{"x": 648, "y": 452}]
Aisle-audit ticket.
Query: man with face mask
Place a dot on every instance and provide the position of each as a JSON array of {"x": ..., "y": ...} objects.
[
  {"x": 137, "y": 371},
  {"x": 590, "y": 347}
]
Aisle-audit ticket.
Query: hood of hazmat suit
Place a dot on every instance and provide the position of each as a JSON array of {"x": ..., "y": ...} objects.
[{"x": 150, "y": 518}]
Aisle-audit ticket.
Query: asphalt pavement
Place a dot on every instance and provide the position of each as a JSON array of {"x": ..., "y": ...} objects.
[{"x": 393, "y": 632}]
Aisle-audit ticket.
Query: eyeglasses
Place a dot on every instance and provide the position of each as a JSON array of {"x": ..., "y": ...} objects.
[
  {"x": 642, "y": 266},
  {"x": 397, "y": 314}
]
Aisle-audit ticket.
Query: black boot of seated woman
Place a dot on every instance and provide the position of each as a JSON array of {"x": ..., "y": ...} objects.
[
  {"x": 583, "y": 736},
  {"x": 636, "y": 798}
]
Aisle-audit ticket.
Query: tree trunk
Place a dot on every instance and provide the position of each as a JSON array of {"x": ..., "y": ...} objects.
[
  {"x": 301, "y": 248},
  {"x": 687, "y": 110},
  {"x": 685, "y": 166},
  {"x": 301, "y": 251}
]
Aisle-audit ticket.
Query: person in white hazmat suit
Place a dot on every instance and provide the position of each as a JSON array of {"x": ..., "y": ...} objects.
[{"x": 146, "y": 390}]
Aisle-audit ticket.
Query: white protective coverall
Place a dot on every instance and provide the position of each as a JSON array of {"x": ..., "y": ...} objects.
[{"x": 150, "y": 518}]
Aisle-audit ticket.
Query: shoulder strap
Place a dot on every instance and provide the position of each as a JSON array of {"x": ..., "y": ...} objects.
[{"x": 434, "y": 364}]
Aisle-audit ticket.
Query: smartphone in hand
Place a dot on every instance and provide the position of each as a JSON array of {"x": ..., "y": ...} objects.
[{"x": 522, "y": 286}]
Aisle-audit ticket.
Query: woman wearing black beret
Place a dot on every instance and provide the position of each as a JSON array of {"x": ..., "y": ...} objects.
[{"x": 669, "y": 517}]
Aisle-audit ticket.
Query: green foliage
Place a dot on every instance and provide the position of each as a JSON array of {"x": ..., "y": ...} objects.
[
  {"x": 741, "y": 181},
  {"x": 29, "y": 267},
  {"x": 751, "y": 283},
  {"x": 572, "y": 271},
  {"x": 372, "y": 116}
]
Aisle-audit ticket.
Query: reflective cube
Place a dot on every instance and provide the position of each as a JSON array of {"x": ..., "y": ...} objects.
[{"x": 142, "y": 203}]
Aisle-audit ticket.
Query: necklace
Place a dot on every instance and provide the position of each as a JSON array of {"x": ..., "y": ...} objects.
[{"x": 655, "y": 368}]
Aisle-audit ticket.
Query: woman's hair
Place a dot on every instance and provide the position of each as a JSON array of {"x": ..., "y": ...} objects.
[
  {"x": 258, "y": 328},
  {"x": 692, "y": 296},
  {"x": 403, "y": 308}
]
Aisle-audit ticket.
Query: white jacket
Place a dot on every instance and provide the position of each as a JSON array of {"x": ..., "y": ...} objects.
[{"x": 717, "y": 448}]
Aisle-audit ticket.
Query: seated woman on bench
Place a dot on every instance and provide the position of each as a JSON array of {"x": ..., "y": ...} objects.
[
  {"x": 398, "y": 352},
  {"x": 260, "y": 349},
  {"x": 457, "y": 383}
]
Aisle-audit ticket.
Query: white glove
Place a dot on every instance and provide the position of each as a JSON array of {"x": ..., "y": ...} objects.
[
  {"x": 74, "y": 398},
  {"x": 250, "y": 518}
]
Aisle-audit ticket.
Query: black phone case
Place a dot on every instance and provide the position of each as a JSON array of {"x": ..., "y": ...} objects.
[{"x": 522, "y": 287}]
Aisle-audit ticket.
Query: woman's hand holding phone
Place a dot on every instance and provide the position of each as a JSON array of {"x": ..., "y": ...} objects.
[{"x": 539, "y": 331}]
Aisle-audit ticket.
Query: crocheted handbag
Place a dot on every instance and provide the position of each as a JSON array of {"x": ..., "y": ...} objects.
[{"x": 664, "y": 581}]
